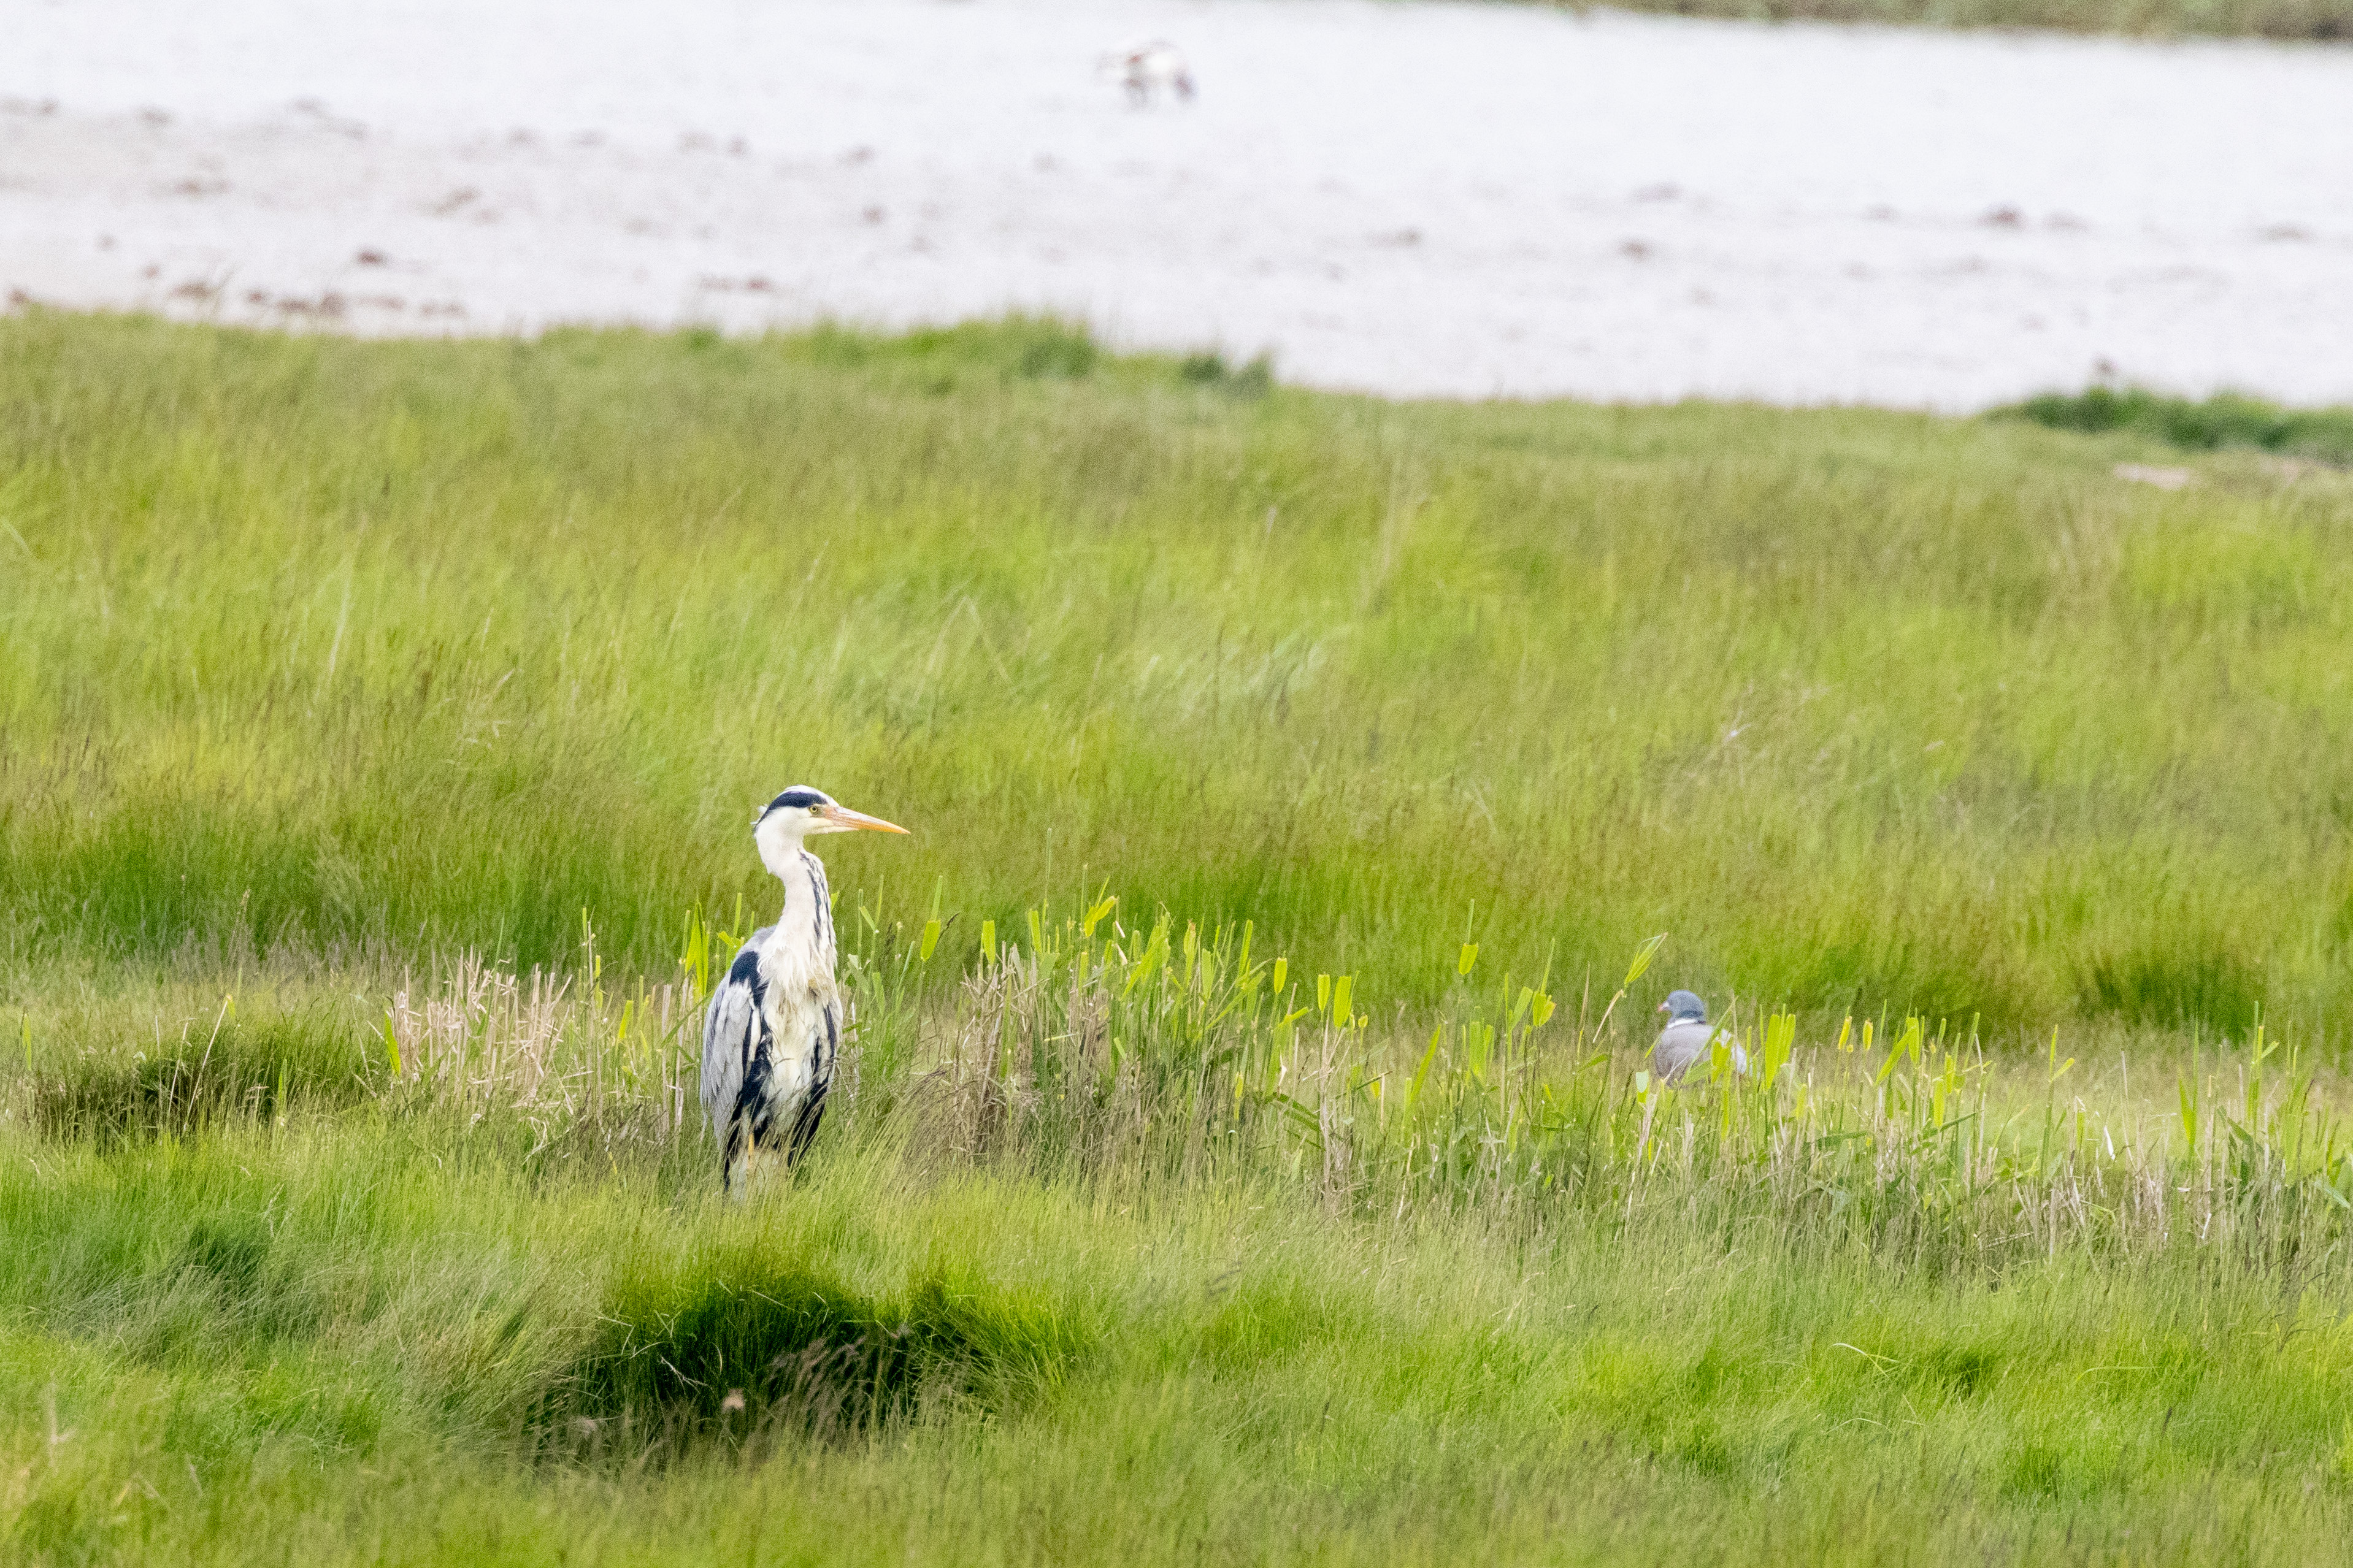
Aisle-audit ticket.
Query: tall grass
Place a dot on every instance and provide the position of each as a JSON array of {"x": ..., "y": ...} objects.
[{"x": 359, "y": 650}]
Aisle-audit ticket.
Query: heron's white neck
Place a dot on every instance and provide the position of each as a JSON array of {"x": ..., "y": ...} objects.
[
  {"x": 805, "y": 925},
  {"x": 781, "y": 849}
]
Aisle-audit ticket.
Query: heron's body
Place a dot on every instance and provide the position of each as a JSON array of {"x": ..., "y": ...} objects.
[
  {"x": 774, "y": 1029},
  {"x": 773, "y": 1032}
]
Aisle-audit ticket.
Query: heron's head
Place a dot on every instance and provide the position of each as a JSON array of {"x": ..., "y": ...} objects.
[
  {"x": 802, "y": 813},
  {"x": 1682, "y": 1007}
]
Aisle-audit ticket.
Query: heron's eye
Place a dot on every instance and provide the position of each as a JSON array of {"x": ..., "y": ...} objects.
[{"x": 817, "y": 811}]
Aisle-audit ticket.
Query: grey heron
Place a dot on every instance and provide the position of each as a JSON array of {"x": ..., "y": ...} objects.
[
  {"x": 1687, "y": 1036},
  {"x": 774, "y": 1025}
]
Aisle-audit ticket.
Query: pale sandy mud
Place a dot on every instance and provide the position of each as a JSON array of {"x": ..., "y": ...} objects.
[{"x": 1404, "y": 198}]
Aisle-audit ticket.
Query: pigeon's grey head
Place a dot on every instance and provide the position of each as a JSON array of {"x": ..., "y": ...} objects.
[{"x": 1681, "y": 1006}]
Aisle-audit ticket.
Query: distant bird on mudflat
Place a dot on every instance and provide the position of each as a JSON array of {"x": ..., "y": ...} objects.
[
  {"x": 1149, "y": 69},
  {"x": 774, "y": 1025},
  {"x": 1686, "y": 1037}
]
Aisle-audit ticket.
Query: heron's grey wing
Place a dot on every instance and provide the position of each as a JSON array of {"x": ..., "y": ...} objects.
[
  {"x": 728, "y": 1030},
  {"x": 725, "y": 1029},
  {"x": 1681, "y": 1043}
]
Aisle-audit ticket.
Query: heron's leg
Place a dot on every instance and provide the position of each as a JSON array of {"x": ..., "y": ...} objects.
[
  {"x": 804, "y": 1127},
  {"x": 766, "y": 1149},
  {"x": 747, "y": 1126},
  {"x": 735, "y": 1160}
]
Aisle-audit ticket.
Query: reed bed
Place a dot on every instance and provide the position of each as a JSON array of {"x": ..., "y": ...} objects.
[{"x": 1171, "y": 1051}]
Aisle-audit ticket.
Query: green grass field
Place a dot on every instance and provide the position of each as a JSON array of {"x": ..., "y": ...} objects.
[{"x": 1245, "y": 1153}]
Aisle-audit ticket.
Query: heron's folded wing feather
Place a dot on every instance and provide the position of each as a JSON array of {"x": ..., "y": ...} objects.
[{"x": 727, "y": 1030}]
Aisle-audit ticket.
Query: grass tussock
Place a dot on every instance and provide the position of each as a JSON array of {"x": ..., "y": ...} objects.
[
  {"x": 254, "y": 1070},
  {"x": 741, "y": 1345},
  {"x": 2215, "y": 424}
]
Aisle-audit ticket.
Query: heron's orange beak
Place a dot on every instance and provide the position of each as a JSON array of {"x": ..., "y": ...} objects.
[{"x": 843, "y": 818}]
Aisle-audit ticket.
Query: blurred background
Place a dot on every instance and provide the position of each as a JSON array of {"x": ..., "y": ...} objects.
[{"x": 1406, "y": 198}]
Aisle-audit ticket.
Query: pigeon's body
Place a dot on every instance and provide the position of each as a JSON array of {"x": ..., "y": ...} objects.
[
  {"x": 1680, "y": 1045},
  {"x": 1684, "y": 1042}
]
